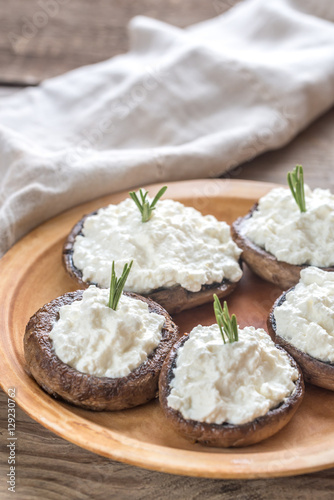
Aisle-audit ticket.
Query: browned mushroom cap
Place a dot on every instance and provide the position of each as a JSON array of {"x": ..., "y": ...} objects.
[
  {"x": 173, "y": 299},
  {"x": 227, "y": 435},
  {"x": 263, "y": 263},
  {"x": 315, "y": 371},
  {"x": 89, "y": 391}
]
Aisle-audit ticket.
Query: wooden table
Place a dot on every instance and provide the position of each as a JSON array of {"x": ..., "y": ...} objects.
[{"x": 75, "y": 33}]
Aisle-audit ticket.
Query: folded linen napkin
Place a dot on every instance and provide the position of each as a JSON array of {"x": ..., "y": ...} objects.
[{"x": 180, "y": 104}]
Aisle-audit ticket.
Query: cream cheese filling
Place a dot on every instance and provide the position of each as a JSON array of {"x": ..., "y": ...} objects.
[
  {"x": 177, "y": 246},
  {"x": 234, "y": 383},
  {"x": 291, "y": 236},
  {"x": 94, "y": 339},
  {"x": 306, "y": 317}
]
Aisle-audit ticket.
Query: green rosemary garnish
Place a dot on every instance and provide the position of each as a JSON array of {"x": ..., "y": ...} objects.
[
  {"x": 296, "y": 184},
  {"x": 145, "y": 208},
  {"x": 117, "y": 285},
  {"x": 227, "y": 325}
]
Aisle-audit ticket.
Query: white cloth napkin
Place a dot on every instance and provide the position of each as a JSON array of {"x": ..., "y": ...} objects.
[{"x": 180, "y": 104}]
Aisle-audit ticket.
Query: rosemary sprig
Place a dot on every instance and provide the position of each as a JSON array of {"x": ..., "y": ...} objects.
[
  {"x": 145, "y": 207},
  {"x": 227, "y": 325},
  {"x": 117, "y": 285},
  {"x": 296, "y": 185}
]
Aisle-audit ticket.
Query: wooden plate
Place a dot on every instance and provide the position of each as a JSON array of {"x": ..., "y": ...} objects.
[{"x": 31, "y": 274}]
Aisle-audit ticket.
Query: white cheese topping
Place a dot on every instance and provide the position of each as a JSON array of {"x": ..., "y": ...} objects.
[
  {"x": 306, "y": 317},
  {"x": 298, "y": 238},
  {"x": 235, "y": 383},
  {"x": 94, "y": 339},
  {"x": 178, "y": 245}
]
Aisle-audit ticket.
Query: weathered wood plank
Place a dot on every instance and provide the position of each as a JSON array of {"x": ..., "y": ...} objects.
[{"x": 44, "y": 38}]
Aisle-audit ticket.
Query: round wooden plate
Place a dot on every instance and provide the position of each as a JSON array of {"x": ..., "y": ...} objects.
[{"x": 31, "y": 274}]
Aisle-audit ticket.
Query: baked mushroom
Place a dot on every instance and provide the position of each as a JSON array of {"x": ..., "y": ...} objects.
[
  {"x": 280, "y": 237},
  {"x": 180, "y": 256},
  {"x": 302, "y": 321},
  {"x": 81, "y": 350},
  {"x": 229, "y": 394}
]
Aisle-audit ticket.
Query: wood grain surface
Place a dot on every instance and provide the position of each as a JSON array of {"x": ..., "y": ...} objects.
[
  {"x": 38, "y": 42},
  {"x": 48, "y": 466}
]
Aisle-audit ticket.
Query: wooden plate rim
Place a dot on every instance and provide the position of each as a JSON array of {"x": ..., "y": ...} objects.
[{"x": 223, "y": 464}]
